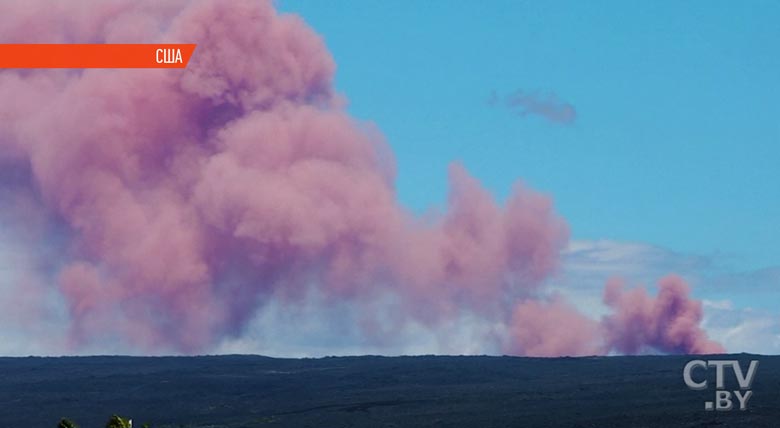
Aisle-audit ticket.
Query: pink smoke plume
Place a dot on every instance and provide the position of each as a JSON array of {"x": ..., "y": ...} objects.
[
  {"x": 541, "y": 329},
  {"x": 182, "y": 201},
  {"x": 670, "y": 322}
]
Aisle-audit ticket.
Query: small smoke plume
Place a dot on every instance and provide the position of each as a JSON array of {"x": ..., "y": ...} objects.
[
  {"x": 670, "y": 322},
  {"x": 638, "y": 323},
  {"x": 547, "y": 105},
  {"x": 180, "y": 202}
]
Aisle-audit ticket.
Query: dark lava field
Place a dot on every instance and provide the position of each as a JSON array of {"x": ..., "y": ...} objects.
[{"x": 400, "y": 392}]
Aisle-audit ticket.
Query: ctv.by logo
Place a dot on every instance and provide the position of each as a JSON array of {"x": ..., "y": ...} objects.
[{"x": 723, "y": 401}]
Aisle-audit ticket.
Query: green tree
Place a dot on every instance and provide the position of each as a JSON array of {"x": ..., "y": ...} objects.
[
  {"x": 67, "y": 423},
  {"x": 119, "y": 422}
]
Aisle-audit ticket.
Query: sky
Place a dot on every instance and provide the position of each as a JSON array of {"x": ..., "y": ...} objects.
[
  {"x": 532, "y": 178},
  {"x": 675, "y": 141}
]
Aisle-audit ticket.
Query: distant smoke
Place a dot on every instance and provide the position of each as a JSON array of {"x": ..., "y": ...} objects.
[
  {"x": 182, "y": 201},
  {"x": 546, "y": 105},
  {"x": 668, "y": 323}
]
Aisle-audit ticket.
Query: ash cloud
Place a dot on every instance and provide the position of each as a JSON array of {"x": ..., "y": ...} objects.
[
  {"x": 546, "y": 105},
  {"x": 669, "y": 322},
  {"x": 185, "y": 201}
]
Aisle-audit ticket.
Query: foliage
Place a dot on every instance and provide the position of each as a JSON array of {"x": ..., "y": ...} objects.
[
  {"x": 118, "y": 422},
  {"x": 66, "y": 423}
]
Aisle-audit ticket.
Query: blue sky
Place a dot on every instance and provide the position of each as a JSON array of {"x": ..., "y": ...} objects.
[{"x": 677, "y": 137}]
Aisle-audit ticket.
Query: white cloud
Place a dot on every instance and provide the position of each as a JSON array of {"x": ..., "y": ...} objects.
[
  {"x": 586, "y": 261},
  {"x": 718, "y": 304},
  {"x": 318, "y": 327},
  {"x": 32, "y": 312},
  {"x": 744, "y": 330}
]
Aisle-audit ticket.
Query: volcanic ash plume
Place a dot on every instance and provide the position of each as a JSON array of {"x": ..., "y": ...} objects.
[
  {"x": 180, "y": 202},
  {"x": 669, "y": 322}
]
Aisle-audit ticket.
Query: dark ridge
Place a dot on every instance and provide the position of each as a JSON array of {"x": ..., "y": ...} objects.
[{"x": 375, "y": 391}]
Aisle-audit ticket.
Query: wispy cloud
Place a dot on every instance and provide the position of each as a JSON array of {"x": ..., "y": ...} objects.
[
  {"x": 743, "y": 329},
  {"x": 591, "y": 262},
  {"x": 543, "y": 104}
]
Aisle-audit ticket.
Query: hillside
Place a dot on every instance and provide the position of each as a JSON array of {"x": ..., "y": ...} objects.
[{"x": 425, "y": 391}]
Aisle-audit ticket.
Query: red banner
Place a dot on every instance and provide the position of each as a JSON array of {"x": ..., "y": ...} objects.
[{"x": 95, "y": 55}]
